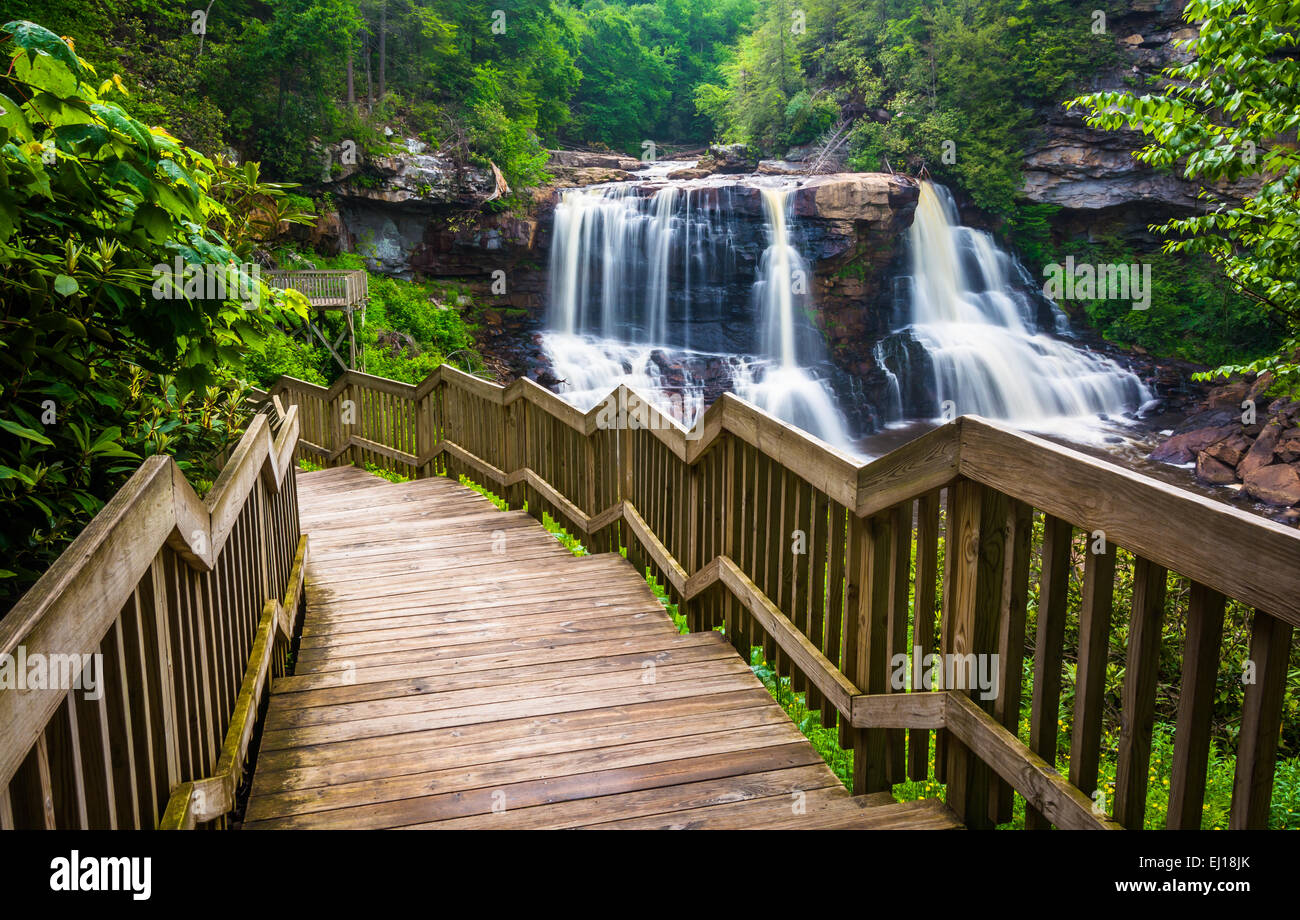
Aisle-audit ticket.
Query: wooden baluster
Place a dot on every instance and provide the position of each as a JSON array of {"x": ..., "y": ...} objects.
[
  {"x": 1195, "y": 707},
  {"x": 786, "y": 559},
  {"x": 840, "y": 553},
  {"x": 747, "y": 551},
  {"x": 1094, "y": 652},
  {"x": 1049, "y": 644},
  {"x": 1261, "y": 720},
  {"x": 818, "y": 544},
  {"x": 856, "y": 566},
  {"x": 803, "y": 522},
  {"x": 92, "y": 718},
  {"x": 46, "y": 783},
  {"x": 145, "y": 696},
  {"x": 66, "y": 767},
  {"x": 867, "y": 632},
  {"x": 975, "y": 560},
  {"x": 927, "y": 557},
  {"x": 1011, "y": 640},
  {"x": 160, "y": 655},
  {"x": 897, "y": 606},
  {"x": 121, "y": 724},
  {"x": 1137, "y": 709}
]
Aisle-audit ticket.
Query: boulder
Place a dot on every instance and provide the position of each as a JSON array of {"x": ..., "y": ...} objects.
[
  {"x": 424, "y": 179},
  {"x": 691, "y": 172},
  {"x": 582, "y": 176},
  {"x": 853, "y": 196},
  {"x": 1288, "y": 446},
  {"x": 1229, "y": 396},
  {"x": 779, "y": 168},
  {"x": 733, "y": 158},
  {"x": 581, "y": 159},
  {"x": 1183, "y": 448},
  {"x": 1278, "y": 484},
  {"x": 1213, "y": 471},
  {"x": 1261, "y": 452},
  {"x": 1230, "y": 450}
]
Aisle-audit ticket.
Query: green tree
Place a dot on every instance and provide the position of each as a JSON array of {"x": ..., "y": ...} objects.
[{"x": 105, "y": 359}]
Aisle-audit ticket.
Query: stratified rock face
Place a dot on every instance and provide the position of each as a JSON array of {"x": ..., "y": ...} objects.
[
  {"x": 873, "y": 197},
  {"x": 583, "y": 176},
  {"x": 853, "y": 225},
  {"x": 1087, "y": 171},
  {"x": 425, "y": 179}
]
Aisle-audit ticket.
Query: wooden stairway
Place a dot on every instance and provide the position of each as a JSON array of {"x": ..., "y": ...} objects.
[{"x": 459, "y": 668}]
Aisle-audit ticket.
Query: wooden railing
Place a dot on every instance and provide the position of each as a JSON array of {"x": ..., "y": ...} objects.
[
  {"x": 323, "y": 289},
  {"x": 835, "y": 567},
  {"x": 164, "y": 618}
]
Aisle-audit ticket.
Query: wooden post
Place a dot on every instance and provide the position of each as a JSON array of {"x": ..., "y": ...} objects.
[
  {"x": 1261, "y": 719},
  {"x": 975, "y": 560}
]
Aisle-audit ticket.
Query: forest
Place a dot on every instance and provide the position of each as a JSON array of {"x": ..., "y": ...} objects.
[{"x": 137, "y": 135}]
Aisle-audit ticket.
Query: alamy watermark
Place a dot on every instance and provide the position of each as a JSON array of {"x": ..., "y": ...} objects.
[
  {"x": 949, "y": 671},
  {"x": 183, "y": 280},
  {"x": 1086, "y": 281},
  {"x": 39, "y": 671}
]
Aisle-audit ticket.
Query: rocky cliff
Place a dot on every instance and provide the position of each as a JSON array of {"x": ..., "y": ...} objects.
[{"x": 1092, "y": 174}]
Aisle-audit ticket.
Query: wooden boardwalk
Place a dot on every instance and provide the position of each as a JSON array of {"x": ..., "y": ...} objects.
[{"x": 459, "y": 668}]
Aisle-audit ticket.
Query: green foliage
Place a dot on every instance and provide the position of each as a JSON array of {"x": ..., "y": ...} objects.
[
  {"x": 1228, "y": 114},
  {"x": 105, "y": 359},
  {"x": 409, "y": 329},
  {"x": 922, "y": 73},
  {"x": 1195, "y": 314}
]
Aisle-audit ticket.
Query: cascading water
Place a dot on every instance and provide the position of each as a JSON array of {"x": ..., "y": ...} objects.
[
  {"x": 647, "y": 287},
  {"x": 978, "y": 332},
  {"x": 786, "y": 389}
]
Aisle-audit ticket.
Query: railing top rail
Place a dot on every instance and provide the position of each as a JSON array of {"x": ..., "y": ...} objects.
[
  {"x": 315, "y": 273},
  {"x": 73, "y": 604},
  {"x": 1223, "y": 547}
]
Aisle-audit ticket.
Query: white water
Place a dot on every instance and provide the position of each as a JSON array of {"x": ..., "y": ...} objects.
[
  {"x": 980, "y": 334},
  {"x": 786, "y": 389},
  {"x": 628, "y": 274}
]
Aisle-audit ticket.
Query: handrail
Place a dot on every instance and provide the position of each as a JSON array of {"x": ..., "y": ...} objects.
[
  {"x": 756, "y": 526},
  {"x": 158, "y": 598}
]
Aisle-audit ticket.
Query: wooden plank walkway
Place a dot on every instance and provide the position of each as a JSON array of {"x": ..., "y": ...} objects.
[{"x": 460, "y": 668}]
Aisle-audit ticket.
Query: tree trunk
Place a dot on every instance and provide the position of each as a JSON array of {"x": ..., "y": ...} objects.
[
  {"x": 383, "y": 48},
  {"x": 370, "y": 92},
  {"x": 352, "y": 93}
]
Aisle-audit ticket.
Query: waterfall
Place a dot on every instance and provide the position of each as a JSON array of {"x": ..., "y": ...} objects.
[
  {"x": 786, "y": 389},
  {"x": 970, "y": 312},
  {"x": 670, "y": 288}
]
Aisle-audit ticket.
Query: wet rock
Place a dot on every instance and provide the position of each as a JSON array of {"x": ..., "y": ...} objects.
[
  {"x": 1213, "y": 471},
  {"x": 1261, "y": 452},
  {"x": 1278, "y": 484},
  {"x": 1290, "y": 517},
  {"x": 691, "y": 172},
  {"x": 1183, "y": 448},
  {"x": 1230, "y": 450}
]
